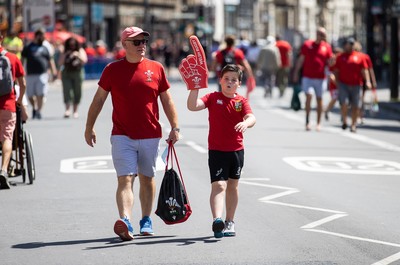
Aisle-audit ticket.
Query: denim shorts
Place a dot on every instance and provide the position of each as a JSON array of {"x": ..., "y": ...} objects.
[
  {"x": 349, "y": 94},
  {"x": 133, "y": 157},
  {"x": 319, "y": 86}
]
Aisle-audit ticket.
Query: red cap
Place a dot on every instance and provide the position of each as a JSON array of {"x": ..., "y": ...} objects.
[{"x": 131, "y": 32}]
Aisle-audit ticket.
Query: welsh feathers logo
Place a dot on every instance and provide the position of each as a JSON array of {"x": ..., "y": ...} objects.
[
  {"x": 149, "y": 74},
  {"x": 173, "y": 206},
  {"x": 196, "y": 80}
]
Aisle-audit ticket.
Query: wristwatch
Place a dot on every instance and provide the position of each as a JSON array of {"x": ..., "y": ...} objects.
[{"x": 176, "y": 129}]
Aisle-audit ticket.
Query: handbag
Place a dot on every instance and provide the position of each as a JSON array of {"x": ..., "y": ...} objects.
[{"x": 173, "y": 205}]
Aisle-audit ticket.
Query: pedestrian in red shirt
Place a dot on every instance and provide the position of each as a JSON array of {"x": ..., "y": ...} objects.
[
  {"x": 371, "y": 72},
  {"x": 350, "y": 70},
  {"x": 230, "y": 116},
  {"x": 135, "y": 84},
  {"x": 332, "y": 86},
  {"x": 231, "y": 55},
  {"x": 8, "y": 115},
  {"x": 285, "y": 49},
  {"x": 314, "y": 58}
]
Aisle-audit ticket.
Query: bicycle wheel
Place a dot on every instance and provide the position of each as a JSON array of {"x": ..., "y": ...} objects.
[{"x": 30, "y": 162}]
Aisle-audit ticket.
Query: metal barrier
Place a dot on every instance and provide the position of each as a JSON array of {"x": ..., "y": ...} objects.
[{"x": 95, "y": 66}]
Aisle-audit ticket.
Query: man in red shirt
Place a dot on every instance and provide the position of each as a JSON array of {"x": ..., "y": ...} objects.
[
  {"x": 350, "y": 71},
  {"x": 8, "y": 113},
  {"x": 135, "y": 84},
  {"x": 285, "y": 49},
  {"x": 314, "y": 58}
]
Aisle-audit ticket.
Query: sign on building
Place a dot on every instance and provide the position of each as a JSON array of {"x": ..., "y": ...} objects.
[{"x": 38, "y": 14}]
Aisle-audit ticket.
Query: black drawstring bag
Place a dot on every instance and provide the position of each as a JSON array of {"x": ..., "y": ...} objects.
[{"x": 173, "y": 205}]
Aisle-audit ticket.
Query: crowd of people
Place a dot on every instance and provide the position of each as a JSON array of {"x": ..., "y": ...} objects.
[
  {"x": 346, "y": 72},
  {"x": 135, "y": 138}
]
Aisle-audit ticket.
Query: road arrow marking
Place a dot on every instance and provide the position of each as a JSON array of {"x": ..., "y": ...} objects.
[{"x": 311, "y": 227}]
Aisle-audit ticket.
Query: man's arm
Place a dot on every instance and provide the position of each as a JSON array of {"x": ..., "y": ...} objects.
[
  {"x": 170, "y": 112},
  {"x": 299, "y": 64},
  {"x": 94, "y": 111}
]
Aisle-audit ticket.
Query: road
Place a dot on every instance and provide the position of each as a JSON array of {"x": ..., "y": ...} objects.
[{"x": 328, "y": 197}]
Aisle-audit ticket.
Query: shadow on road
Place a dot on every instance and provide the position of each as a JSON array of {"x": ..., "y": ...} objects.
[{"x": 116, "y": 242}]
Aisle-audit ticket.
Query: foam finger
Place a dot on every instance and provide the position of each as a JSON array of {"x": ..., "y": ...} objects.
[{"x": 198, "y": 51}]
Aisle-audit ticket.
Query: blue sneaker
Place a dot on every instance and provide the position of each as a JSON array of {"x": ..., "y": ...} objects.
[
  {"x": 123, "y": 228},
  {"x": 146, "y": 227},
  {"x": 218, "y": 228}
]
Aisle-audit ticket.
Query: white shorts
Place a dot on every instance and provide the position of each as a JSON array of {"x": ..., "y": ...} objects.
[
  {"x": 37, "y": 85},
  {"x": 132, "y": 157},
  {"x": 319, "y": 86}
]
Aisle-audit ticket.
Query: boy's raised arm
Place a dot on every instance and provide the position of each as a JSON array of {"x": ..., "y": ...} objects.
[{"x": 193, "y": 103}]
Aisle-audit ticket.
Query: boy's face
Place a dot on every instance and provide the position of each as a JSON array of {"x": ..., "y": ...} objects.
[{"x": 229, "y": 83}]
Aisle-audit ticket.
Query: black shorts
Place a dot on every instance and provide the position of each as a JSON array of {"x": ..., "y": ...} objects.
[{"x": 225, "y": 165}]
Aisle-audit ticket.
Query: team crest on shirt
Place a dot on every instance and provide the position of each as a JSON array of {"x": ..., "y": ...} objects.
[
  {"x": 149, "y": 74},
  {"x": 220, "y": 102},
  {"x": 238, "y": 106}
]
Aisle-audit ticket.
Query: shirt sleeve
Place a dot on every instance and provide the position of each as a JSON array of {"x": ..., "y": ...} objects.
[{"x": 104, "y": 81}]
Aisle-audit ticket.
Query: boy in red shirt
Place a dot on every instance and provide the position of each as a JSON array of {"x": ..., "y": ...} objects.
[
  {"x": 229, "y": 117},
  {"x": 350, "y": 71}
]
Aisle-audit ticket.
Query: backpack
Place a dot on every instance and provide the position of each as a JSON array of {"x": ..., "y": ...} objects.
[
  {"x": 6, "y": 78},
  {"x": 173, "y": 205},
  {"x": 229, "y": 57}
]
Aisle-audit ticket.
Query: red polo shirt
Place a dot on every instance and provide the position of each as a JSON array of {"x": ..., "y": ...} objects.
[
  {"x": 7, "y": 102},
  {"x": 349, "y": 67},
  {"x": 316, "y": 58}
]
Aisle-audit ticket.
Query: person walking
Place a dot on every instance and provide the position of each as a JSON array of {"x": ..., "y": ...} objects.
[
  {"x": 351, "y": 70},
  {"x": 372, "y": 77},
  {"x": 135, "y": 84},
  {"x": 72, "y": 62},
  {"x": 230, "y": 55},
  {"x": 332, "y": 86},
  {"x": 282, "y": 75},
  {"x": 269, "y": 61},
  {"x": 38, "y": 61},
  {"x": 225, "y": 144},
  {"x": 314, "y": 58},
  {"x": 8, "y": 115}
]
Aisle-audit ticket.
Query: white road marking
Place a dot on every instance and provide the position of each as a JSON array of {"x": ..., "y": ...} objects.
[
  {"x": 95, "y": 164},
  {"x": 311, "y": 226},
  {"x": 197, "y": 147},
  {"x": 358, "y": 137},
  {"x": 344, "y": 165},
  {"x": 324, "y": 220},
  {"x": 388, "y": 260}
]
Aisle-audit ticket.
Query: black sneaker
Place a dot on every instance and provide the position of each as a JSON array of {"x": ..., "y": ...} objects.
[
  {"x": 344, "y": 126},
  {"x": 4, "y": 184},
  {"x": 218, "y": 227}
]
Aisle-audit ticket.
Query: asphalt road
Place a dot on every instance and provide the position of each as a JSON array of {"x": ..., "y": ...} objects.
[{"x": 328, "y": 197}]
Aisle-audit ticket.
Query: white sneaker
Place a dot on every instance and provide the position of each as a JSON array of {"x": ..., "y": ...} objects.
[{"x": 229, "y": 228}]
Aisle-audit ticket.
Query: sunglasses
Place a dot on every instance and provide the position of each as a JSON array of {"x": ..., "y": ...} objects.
[{"x": 138, "y": 42}]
